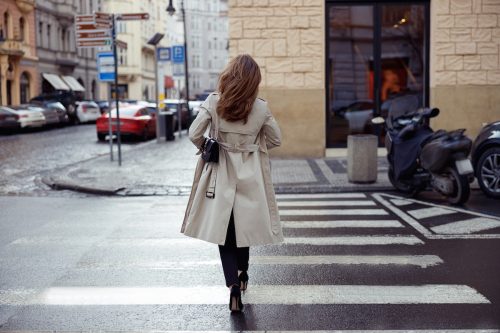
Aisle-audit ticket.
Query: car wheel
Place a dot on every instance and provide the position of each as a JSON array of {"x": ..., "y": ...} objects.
[
  {"x": 145, "y": 134},
  {"x": 101, "y": 136},
  {"x": 488, "y": 172}
]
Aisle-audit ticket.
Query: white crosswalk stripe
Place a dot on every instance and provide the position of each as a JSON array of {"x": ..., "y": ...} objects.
[
  {"x": 327, "y": 203},
  {"x": 313, "y": 196},
  {"x": 316, "y": 212},
  {"x": 342, "y": 224}
]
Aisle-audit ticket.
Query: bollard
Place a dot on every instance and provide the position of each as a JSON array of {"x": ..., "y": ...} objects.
[{"x": 362, "y": 158}]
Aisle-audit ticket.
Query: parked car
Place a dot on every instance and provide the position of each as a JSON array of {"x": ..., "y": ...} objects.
[
  {"x": 87, "y": 111},
  {"x": 51, "y": 116},
  {"x": 8, "y": 120},
  {"x": 54, "y": 106},
  {"x": 485, "y": 158},
  {"x": 66, "y": 98},
  {"x": 26, "y": 117},
  {"x": 135, "y": 121},
  {"x": 173, "y": 105},
  {"x": 103, "y": 106},
  {"x": 194, "y": 106}
]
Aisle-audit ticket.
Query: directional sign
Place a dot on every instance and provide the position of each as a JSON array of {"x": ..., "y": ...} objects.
[
  {"x": 93, "y": 34},
  {"x": 178, "y": 54},
  {"x": 164, "y": 54},
  {"x": 93, "y": 43},
  {"x": 84, "y": 18},
  {"x": 102, "y": 19},
  {"x": 84, "y": 26},
  {"x": 106, "y": 66},
  {"x": 132, "y": 16}
]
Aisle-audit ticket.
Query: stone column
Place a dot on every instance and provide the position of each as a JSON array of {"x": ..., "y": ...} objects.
[
  {"x": 4, "y": 65},
  {"x": 16, "y": 82}
]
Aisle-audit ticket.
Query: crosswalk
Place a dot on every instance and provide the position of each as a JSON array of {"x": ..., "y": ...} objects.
[{"x": 347, "y": 263}]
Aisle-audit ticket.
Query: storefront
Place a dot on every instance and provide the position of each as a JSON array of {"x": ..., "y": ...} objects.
[{"x": 330, "y": 66}]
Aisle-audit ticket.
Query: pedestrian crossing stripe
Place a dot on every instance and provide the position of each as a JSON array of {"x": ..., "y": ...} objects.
[
  {"x": 462, "y": 229},
  {"x": 256, "y": 294},
  {"x": 341, "y": 212},
  {"x": 326, "y": 203},
  {"x": 356, "y": 240},
  {"x": 321, "y": 196},
  {"x": 342, "y": 224}
]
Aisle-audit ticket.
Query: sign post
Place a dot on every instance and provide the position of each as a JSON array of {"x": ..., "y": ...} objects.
[{"x": 98, "y": 30}]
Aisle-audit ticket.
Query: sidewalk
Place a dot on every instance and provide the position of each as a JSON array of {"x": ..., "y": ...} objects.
[{"x": 168, "y": 168}]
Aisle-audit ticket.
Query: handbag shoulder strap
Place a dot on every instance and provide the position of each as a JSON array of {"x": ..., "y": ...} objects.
[{"x": 216, "y": 124}]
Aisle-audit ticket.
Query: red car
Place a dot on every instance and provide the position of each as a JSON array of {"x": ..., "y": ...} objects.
[{"x": 136, "y": 121}]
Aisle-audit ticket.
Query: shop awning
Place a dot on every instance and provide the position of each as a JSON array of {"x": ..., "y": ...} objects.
[
  {"x": 56, "y": 81},
  {"x": 73, "y": 83}
]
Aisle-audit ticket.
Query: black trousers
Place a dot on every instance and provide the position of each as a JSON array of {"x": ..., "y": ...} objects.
[{"x": 233, "y": 258}]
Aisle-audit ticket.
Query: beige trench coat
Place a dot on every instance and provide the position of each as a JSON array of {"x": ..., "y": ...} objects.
[{"x": 242, "y": 179}]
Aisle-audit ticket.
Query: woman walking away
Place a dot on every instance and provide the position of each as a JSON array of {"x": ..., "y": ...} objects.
[{"x": 232, "y": 202}]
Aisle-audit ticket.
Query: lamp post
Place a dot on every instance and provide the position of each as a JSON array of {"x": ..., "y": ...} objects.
[
  {"x": 154, "y": 41},
  {"x": 171, "y": 11}
]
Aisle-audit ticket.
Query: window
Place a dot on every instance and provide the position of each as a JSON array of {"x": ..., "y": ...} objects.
[
  {"x": 6, "y": 19},
  {"x": 209, "y": 45},
  {"x": 24, "y": 88},
  {"x": 48, "y": 35},
  {"x": 63, "y": 39},
  {"x": 40, "y": 34},
  {"x": 22, "y": 29}
]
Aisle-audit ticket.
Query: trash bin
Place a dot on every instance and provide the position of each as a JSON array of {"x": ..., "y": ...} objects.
[
  {"x": 362, "y": 158},
  {"x": 169, "y": 126}
]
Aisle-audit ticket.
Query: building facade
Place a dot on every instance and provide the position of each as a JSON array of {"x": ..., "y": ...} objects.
[
  {"x": 207, "y": 31},
  {"x": 18, "y": 57},
  {"x": 56, "y": 48},
  {"x": 136, "y": 59},
  {"x": 330, "y": 66}
]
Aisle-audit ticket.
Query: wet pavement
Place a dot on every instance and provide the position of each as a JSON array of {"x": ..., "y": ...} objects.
[{"x": 350, "y": 261}]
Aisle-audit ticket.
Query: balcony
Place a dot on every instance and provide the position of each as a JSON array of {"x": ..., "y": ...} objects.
[
  {"x": 25, "y": 6},
  {"x": 67, "y": 59},
  {"x": 12, "y": 47}
]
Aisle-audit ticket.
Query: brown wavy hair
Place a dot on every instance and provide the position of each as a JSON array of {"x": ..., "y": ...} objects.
[{"x": 238, "y": 88}]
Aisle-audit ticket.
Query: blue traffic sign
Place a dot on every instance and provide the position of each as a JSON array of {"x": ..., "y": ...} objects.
[
  {"x": 178, "y": 54},
  {"x": 106, "y": 66},
  {"x": 164, "y": 54}
]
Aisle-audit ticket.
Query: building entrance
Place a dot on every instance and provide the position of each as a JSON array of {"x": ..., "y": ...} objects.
[{"x": 375, "y": 53}]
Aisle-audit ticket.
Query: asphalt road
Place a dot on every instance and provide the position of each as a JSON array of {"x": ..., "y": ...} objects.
[{"x": 356, "y": 261}]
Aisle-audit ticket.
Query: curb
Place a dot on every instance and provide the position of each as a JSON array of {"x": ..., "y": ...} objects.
[{"x": 57, "y": 184}]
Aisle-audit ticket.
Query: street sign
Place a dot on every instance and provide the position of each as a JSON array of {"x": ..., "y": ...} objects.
[
  {"x": 106, "y": 66},
  {"x": 93, "y": 34},
  {"x": 178, "y": 54},
  {"x": 102, "y": 20},
  {"x": 164, "y": 54},
  {"x": 84, "y": 18},
  {"x": 94, "y": 43},
  {"x": 132, "y": 16},
  {"x": 86, "y": 26}
]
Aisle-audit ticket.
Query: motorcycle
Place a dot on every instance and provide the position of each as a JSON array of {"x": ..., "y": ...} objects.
[{"x": 421, "y": 159}]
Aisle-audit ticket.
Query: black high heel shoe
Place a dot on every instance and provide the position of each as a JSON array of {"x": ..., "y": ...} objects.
[
  {"x": 243, "y": 280},
  {"x": 235, "y": 304}
]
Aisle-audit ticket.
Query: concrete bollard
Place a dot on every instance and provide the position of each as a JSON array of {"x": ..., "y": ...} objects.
[{"x": 362, "y": 158}]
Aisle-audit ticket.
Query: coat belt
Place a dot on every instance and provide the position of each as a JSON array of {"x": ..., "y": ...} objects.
[{"x": 248, "y": 148}]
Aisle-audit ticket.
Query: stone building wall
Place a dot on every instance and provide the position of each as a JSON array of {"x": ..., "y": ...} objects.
[
  {"x": 465, "y": 64},
  {"x": 286, "y": 38}
]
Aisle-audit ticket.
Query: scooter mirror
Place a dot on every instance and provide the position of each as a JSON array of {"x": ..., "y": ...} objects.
[
  {"x": 378, "y": 120},
  {"x": 434, "y": 112}
]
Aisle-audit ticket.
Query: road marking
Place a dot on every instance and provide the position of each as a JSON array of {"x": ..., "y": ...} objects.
[
  {"x": 343, "y": 224},
  {"x": 380, "y": 197},
  {"x": 422, "y": 261},
  {"x": 467, "y": 226},
  {"x": 321, "y": 196},
  {"x": 401, "y": 202},
  {"x": 261, "y": 294},
  {"x": 326, "y": 203},
  {"x": 423, "y": 213},
  {"x": 355, "y": 240},
  {"x": 316, "y": 212}
]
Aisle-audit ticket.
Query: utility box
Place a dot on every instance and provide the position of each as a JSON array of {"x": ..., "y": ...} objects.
[
  {"x": 169, "y": 126},
  {"x": 362, "y": 158}
]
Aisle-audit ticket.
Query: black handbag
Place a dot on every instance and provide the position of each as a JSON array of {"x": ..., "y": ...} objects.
[{"x": 210, "y": 149}]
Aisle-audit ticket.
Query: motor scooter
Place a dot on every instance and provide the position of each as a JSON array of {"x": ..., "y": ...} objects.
[{"x": 421, "y": 159}]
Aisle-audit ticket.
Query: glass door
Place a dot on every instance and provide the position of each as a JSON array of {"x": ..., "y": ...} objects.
[{"x": 375, "y": 53}]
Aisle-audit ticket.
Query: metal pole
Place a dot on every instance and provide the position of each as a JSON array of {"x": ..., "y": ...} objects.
[
  {"x": 115, "y": 55},
  {"x": 186, "y": 74},
  {"x": 179, "y": 111},
  {"x": 110, "y": 101},
  {"x": 157, "y": 99}
]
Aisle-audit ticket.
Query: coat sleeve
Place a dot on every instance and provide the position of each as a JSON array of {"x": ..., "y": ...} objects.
[
  {"x": 272, "y": 131},
  {"x": 199, "y": 126}
]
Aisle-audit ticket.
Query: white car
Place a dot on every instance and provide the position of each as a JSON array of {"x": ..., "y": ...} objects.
[
  {"x": 27, "y": 117},
  {"x": 195, "y": 107},
  {"x": 87, "y": 111}
]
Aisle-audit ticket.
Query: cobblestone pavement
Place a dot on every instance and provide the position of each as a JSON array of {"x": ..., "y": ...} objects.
[{"x": 26, "y": 157}]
